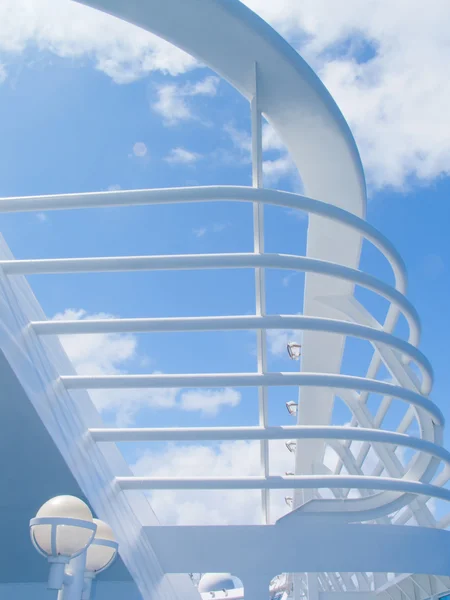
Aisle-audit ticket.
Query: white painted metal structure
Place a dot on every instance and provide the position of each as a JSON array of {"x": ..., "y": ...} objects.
[{"x": 338, "y": 542}]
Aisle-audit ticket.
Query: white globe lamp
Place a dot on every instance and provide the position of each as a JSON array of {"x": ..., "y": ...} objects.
[
  {"x": 62, "y": 529},
  {"x": 103, "y": 548},
  {"x": 212, "y": 583},
  {"x": 100, "y": 554}
]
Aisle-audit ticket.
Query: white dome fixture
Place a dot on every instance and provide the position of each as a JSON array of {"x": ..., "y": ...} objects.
[
  {"x": 100, "y": 554},
  {"x": 64, "y": 531},
  {"x": 218, "y": 582}
]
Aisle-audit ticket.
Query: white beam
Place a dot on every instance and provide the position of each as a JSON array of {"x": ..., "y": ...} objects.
[
  {"x": 299, "y": 322},
  {"x": 213, "y": 194},
  {"x": 350, "y": 382},
  {"x": 283, "y": 483},
  {"x": 331, "y": 432},
  {"x": 260, "y": 286}
]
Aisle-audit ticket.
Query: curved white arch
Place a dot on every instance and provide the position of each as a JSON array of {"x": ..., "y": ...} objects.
[
  {"x": 236, "y": 43},
  {"x": 230, "y": 38}
]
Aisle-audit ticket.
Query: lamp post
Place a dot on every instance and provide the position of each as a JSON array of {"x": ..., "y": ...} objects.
[{"x": 76, "y": 546}]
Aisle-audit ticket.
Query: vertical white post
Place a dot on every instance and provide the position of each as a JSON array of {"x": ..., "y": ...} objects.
[
  {"x": 74, "y": 589},
  {"x": 257, "y": 163},
  {"x": 258, "y": 248}
]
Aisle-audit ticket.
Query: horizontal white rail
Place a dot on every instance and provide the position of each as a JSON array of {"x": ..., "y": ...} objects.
[
  {"x": 209, "y": 194},
  {"x": 219, "y": 380},
  {"x": 357, "y": 482},
  {"x": 216, "y": 261},
  {"x": 198, "y": 434},
  {"x": 191, "y": 324}
]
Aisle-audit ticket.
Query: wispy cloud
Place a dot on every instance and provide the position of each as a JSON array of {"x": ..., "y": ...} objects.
[
  {"x": 68, "y": 29},
  {"x": 240, "y": 139},
  {"x": 274, "y": 169},
  {"x": 213, "y": 228},
  {"x": 278, "y": 339},
  {"x": 118, "y": 353},
  {"x": 111, "y": 354},
  {"x": 182, "y": 156},
  {"x": 228, "y": 459},
  {"x": 209, "y": 402},
  {"x": 286, "y": 281},
  {"x": 394, "y": 93},
  {"x": 173, "y": 99},
  {"x": 200, "y": 232},
  {"x": 3, "y": 73},
  {"x": 366, "y": 59},
  {"x": 42, "y": 217},
  {"x": 171, "y": 105}
]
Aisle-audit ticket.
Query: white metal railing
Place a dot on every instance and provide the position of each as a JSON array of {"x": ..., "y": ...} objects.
[
  {"x": 260, "y": 322},
  {"x": 391, "y": 485}
]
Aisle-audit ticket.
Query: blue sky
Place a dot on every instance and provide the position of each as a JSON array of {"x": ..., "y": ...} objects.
[{"x": 71, "y": 122}]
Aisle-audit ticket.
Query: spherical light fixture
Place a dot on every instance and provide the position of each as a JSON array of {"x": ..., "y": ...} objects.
[
  {"x": 102, "y": 550},
  {"x": 218, "y": 582},
  {"x": 62, "y": 529},
  {"x": 100, "y": 555}
]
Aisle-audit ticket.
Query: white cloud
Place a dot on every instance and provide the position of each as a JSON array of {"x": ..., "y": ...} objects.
[
  {"x": 3, "y": 73},
  {"x": 274, "y": 169},
  {"x": 270, "y": 139},
  {"x": 140, "y": 149},
  {"x": 286, "y": 281},
  {"x": 205, "y": 87},
  {"x": 386, "y": 65},
  {"x": 241, "y": 140},
  {"x": 173, "y": 104},
  {"x": 42, "y": 217},
  {"x": 209, "y": 402},
  {"x": 110, "y": 354},
  {"x": 200, "y": 232},
  {"x": 114, "y": 187},
  {"x": 396, "y": 102},
  {"x": 68, "y": 29},
  {"x": 213, "y": 228},
  {"x": 182, "y": 156},
  {"x": 95, "y": 354},
  {"x": 277, "y": 341},
  {"x": 223, "y": 460},
  {"x": 117, "y": 353},
  {"x": 218, "y": 227},
  {"x": 226, "y": 459}
]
